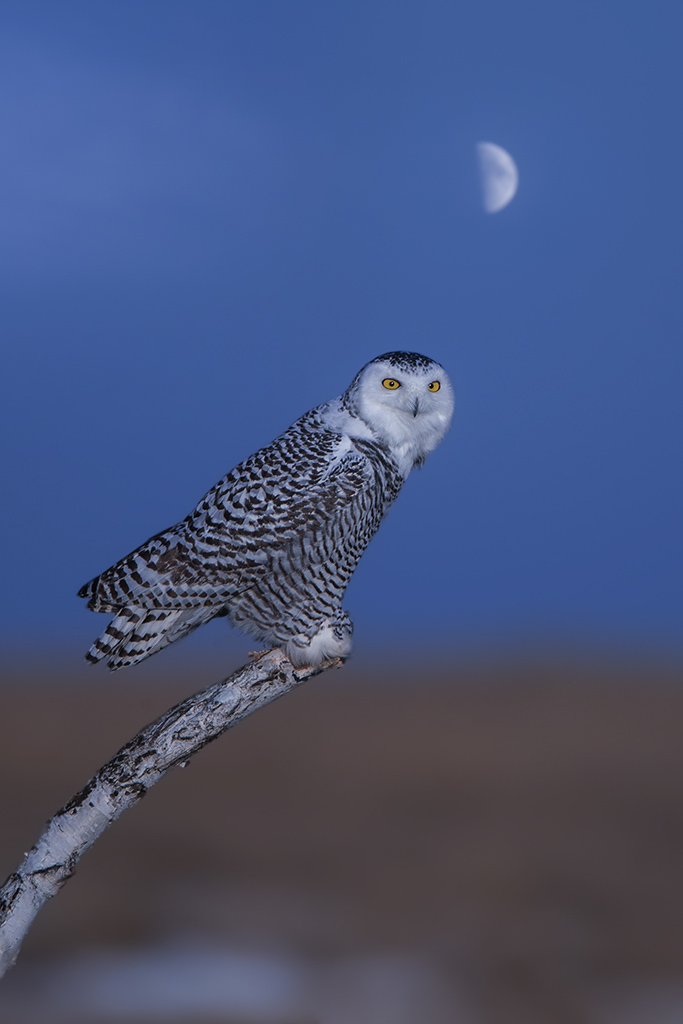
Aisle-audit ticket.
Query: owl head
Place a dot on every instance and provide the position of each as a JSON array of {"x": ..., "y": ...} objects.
[{"x": 407, "y": 401}]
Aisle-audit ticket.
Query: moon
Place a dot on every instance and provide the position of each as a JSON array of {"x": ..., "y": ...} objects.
[{"x": 498, "y": 176}]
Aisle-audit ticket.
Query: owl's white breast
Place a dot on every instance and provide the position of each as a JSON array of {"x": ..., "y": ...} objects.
[{"x": 409, "y": 438}]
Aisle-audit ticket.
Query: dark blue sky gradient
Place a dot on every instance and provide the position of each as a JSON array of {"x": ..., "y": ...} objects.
[{"x": 214, "y": 213}]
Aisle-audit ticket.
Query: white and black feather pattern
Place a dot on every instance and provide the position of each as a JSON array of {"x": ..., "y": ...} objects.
[{"x": 273, "y": 545}]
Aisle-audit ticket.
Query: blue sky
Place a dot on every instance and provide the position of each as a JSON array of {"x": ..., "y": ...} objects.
[{"x": 212, "y": 214}]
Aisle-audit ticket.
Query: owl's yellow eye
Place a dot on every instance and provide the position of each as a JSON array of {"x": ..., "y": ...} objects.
[
  {"x": 390, "y": 383},
  {"x": 434, "y": 386}
]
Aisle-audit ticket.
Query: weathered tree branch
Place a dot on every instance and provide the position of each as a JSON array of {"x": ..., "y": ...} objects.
[{"x": 169, "y": 741}]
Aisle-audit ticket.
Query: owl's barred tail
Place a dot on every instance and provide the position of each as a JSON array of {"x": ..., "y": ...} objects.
[{"x": 136, "y": 633}]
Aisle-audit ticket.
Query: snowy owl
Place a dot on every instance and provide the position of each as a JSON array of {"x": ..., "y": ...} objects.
[{"x": 274, "y": 544}]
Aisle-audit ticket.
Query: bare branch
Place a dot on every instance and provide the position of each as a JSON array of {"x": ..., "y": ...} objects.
[{"x": 169, "y": 741}]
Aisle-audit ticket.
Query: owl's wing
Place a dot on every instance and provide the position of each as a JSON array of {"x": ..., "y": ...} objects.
[
  {"x": 288, "y": 506},
  {"x": 326, "y": 492}
]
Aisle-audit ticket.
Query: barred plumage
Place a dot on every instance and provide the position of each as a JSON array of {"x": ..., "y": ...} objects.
[{"x": 274, "y": 544}]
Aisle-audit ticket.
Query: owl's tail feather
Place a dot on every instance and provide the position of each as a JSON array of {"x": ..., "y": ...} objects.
[{"x": 136, "y": 633}]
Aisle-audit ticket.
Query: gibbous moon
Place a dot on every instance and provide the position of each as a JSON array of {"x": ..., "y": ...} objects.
[{"x": 498, "y": 176}]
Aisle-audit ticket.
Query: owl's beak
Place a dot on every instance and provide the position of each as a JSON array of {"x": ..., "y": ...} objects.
[{"x": 416, "y": 408}]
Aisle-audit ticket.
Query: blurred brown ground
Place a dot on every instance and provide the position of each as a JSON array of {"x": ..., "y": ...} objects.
[{"x": 521, "y": 828}]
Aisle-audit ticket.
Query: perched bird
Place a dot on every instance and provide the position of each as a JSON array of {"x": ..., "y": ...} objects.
[{"x": 274, "y": 544}]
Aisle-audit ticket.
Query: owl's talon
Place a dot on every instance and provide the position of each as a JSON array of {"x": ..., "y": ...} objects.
[
  {"x": 257, "y": 655},
  {"x": 303, "y": 671}
]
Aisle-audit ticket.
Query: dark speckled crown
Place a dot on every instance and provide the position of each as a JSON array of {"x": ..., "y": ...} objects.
[{"x": 404, "y": 360}]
